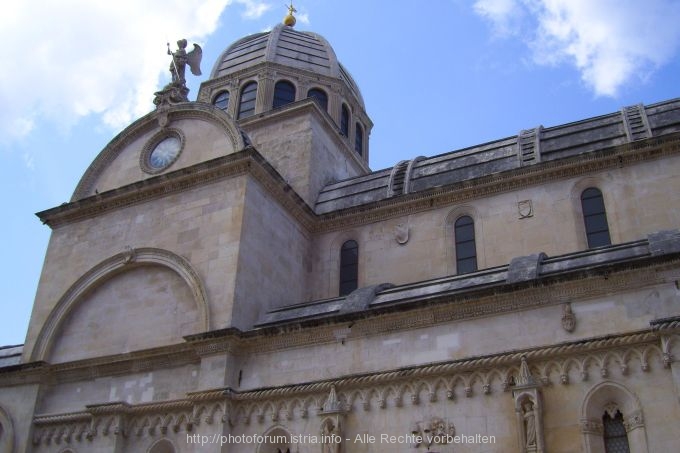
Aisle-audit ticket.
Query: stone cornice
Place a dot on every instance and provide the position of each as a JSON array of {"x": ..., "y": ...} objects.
[
  {"x": 324, "y": 331},
  {"x": 540, "y": 173},
  {"x": 247, "y": 161},
  {"x": 133, "y": 362},
  {"x": 250, "y": 161},
  {"x": 494, "y": 375}
]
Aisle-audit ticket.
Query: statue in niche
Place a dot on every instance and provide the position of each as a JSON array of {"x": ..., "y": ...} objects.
[
  {"x": 330, "y": 437},
  {"x": 529, "y": 425}
]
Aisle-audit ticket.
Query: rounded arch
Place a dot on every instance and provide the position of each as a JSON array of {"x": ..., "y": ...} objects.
[
  {"x": 450, "y": 236},
  {"x": 164, "y": 445},
  {"x": 6, "y": 432},
  {"x": 334, "y": 260},
  {"x": 108, "y": 269},
  {"x": 285, "y": 92},
  {"x": 600, "y": 183},
  {"x": 247, "y": 99},
  {"x": 359, "y": 138},
  {"x": 147, "y": 124},
  {"x": 221, "y": 100},
  {"x": 348, "y": 278},
  {"x": 277, "y": 440},
  {"x": 320, "y": 96},
  {"x": 345, "y": 119}
]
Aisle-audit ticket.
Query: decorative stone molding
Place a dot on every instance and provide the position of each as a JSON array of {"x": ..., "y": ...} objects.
[
  {"x": 634, "y": 421},
  {"x": 6, "y": 431},
  {"x": 525, "y": 209},
  {"x": 383, "y": 390},
  {"x": 101, "y": 272},
  {"x": 192, "y": 110},
  {"x": 591, "y": 427},
  {"x": 531, "y": 175}
]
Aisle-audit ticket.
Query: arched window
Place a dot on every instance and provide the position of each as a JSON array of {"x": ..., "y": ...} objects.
[
  {"x": 246, "y": 107},
  {"x": 221, "y": 101},
  {"x": 595, "y": 218},
  {"x": 615, "y": 438},
  {"x": 344, "y": 121},
  {"x": 359, "y": 140},
  {"x": 284, "y": 93},
  {"x": 349, "y": 267},
  {"x": 319, "y": 96},
  {"x": 466, "y": 251}
]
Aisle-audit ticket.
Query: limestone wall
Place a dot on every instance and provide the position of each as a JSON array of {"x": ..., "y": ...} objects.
[
  {"x": 638, "y": 201},
  {"x": 202, "y": 228}
]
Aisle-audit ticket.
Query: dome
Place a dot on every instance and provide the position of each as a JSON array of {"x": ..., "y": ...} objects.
[{"x": 283, "y": 45}]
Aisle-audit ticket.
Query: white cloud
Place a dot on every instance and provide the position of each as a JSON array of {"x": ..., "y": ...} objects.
[
  {"x": 254, "y": 9},
  {"x": 503, "y": 13},
  {"x": 82, "y": 57},
  {"x": 303, "y": 18},
  {"x": 611, "y": 42}
]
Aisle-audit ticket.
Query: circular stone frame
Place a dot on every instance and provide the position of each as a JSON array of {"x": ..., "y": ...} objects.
[{"x": 150, "y": 146}]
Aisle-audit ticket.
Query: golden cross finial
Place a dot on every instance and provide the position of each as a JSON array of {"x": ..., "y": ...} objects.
[{"x": 289, "y": 20}]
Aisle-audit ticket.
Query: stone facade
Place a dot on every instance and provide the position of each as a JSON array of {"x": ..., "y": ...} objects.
[{"x": 195, "y": 305}]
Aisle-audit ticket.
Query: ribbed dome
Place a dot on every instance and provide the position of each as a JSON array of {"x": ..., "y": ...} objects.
[{"x": 286, "y": 46}]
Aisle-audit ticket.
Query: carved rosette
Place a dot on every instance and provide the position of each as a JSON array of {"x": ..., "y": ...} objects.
[{"x": 635, "y": 420}]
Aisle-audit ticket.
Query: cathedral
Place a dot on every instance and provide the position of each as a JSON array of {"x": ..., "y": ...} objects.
[{"x": 231, "y": 276}]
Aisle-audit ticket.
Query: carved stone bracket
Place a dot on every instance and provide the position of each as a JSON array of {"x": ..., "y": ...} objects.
[{"x": 568, "y": 318}]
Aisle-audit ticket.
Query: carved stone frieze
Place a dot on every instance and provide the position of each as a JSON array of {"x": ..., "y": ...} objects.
[
  {"x": 433, "y": 431},
  {"x": 385, "y": 390}
]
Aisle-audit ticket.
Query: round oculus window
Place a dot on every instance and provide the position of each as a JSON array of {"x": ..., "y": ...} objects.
[{"x": 165, "y": 153}]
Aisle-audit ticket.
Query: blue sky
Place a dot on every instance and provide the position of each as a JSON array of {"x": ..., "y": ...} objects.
[{"x": 436, "y": 76}]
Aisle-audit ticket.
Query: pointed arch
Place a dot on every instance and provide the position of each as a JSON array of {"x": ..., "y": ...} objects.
[
  {"x": 6, "y": 431},
  {"x": 277, "y": 440},
  {"x": 162, "y": 446},
  {"x": 611, "y": 397}
]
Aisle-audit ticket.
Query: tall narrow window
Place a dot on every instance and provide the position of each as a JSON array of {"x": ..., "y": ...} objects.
[
  {"x": 319, "y": 96},
  {"x": 615, "y": 438},
  {"x": 349, "y": 267},
  {"x": 246, "y": 107},
  {"x": 595, "y": 218},
  {"x": 359, "y": 140},
  {"x": 344, "y": 121},
  {"x": 284, "y": 93},
  {"x": 466, "y": 252},
  {"x": 222, "y": 100}
]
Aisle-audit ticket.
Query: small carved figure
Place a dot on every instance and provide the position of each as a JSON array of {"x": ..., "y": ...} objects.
[
  {"x": 330, "y": 437},
  {"x": 529, "y": 425},
  {"x": 180, "y": 59}
]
